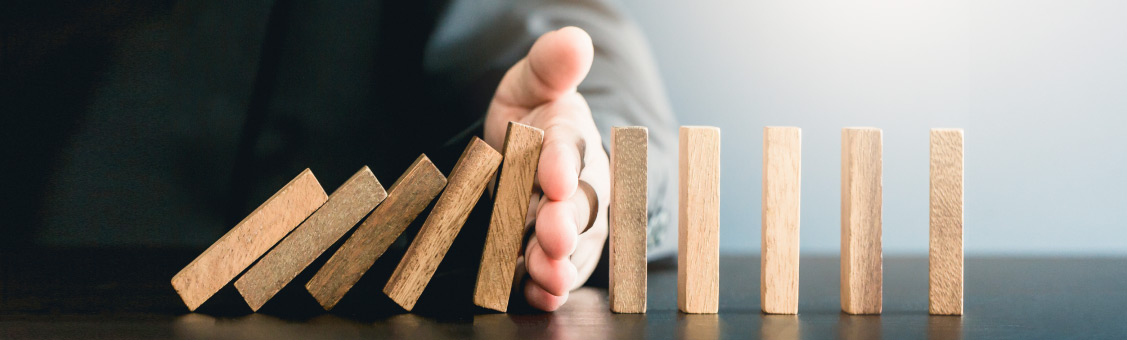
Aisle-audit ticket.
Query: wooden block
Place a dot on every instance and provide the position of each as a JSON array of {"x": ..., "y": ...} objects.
[
  {"x": 861, "y": 272},
  {"x": 467, "y": 182},
  {"x": 698, "y": 241},
  {"x": 945, "y": 261},
  {"x": 782, "y": 164},
  {"x": 510, "y": 207},
  {"x": 628, "y": 219},
  {"x": 408, "y": 196},
  {"x": 249, "y": 239},
  {"x": 344, "y": 208}
]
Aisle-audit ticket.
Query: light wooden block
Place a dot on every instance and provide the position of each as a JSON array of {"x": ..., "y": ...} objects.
[
  {"x": 344, "y": 208},
  {"x": 466, "y": 183},
  {"x": 249, "y": 239},
  {"x": 861, "y": 264},
  {"x": 945, "y": 261},
  {"x": 628, "y": 219},
  {"x": 406, "y": 198},
  {"x": 782, "y": 165},
  {"x": 510, "y": 208},
  {"x": 698, "y": 241}
]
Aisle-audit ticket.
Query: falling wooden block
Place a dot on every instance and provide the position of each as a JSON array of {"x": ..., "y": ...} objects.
[
  {"x": 510, "y": 207},
  {"x": 945, "y": 261},
  {"x": 782, "y": 164},
  {"x": 248, "y": 240},
  {"x": 406, "y": 198},
  {"x": 628, "y": 219},
  {"x": 466, "y": 183},
  {"x": 698, "y": 241},
  {"x": 861, "y": 272},
  {"x": 344, "y": 208}
]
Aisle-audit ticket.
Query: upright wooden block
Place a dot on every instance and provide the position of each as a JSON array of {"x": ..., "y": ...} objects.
[
  {"x": 510, "y": 208},
  {"x": 344, "y": 208},
  {"x": 698, "y": 242},
  {"x": 467, "y": 182},
  {"x": 861, "y": 264},
  {"x": 249, "y": 239},
  {"x": 628, "y": 219},
  {"x": 945, "y": 261},
  {"x": 406, "y": 198},
  {"x": 782, "y": 164}
]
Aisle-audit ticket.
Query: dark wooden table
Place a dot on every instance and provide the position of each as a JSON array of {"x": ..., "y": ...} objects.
[{"x": 96, "y": 293}]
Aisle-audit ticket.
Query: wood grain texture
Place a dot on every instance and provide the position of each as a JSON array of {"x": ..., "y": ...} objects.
[
  {"x": 861, "y": 263},
  {"x": 466, "y": 183},
  {"x": 510, "y": 208},
  {"x": 782, "y": 179},
  {"x": 344, "y": 208},
  {"x": 698, "y": 241},
  {"x": 945, "y": 256},
  {"x": 249, "y": 239},
  {"x": 628, "y": 218},
  {"x": 406, "y": 198}
]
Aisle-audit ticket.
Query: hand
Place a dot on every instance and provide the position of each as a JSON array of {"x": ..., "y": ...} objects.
[{"x": 573, "y": 173}]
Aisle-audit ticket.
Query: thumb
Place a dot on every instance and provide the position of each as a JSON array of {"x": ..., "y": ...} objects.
[{"x": 556, "y": 64}]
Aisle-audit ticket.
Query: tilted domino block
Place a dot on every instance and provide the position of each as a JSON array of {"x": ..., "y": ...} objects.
[
  {"x": 466, "y": 183},
  {"x": 249, "y": 239},
  {"x": 510, "y": 208},
  {"x": 344, "y": 208},
  {"x": 406, "y": 198}
]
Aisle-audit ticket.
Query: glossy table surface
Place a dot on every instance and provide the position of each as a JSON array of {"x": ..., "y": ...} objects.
[{"x": 87, "y": 294}]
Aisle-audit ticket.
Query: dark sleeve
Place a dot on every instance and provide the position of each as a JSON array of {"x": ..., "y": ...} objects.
[{"x": 476, "y": 41}]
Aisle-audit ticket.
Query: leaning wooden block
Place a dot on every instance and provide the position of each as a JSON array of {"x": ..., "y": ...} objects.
[
  {"x": 510, "y": 207},
  {"x": 698, "y": 242},
  {"x": 248, "y": 240},
  {"x": 945, "y": 261},
  {"x": 628, "y": 219},
  {"x": 861, "y": 266},
  {"x": 467, "y": 182},
  {"x": 344, "y": 208},
  {"x": 408, "y": 196},
  {"x": 782, "y": 164}
]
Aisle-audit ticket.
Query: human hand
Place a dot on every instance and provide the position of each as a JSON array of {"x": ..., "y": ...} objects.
[{"x": 573, "y": 174}]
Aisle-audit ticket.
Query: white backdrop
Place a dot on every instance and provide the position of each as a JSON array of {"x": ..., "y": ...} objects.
[{"x": 1039, "y": 86}]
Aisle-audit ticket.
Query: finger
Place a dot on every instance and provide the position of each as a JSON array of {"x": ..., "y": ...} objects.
[
  {"x": 540, "y": 299},
  {"x": 554, "y": 276},
  {"x": 556, "y": 228},
  {"x": 556, "y": 64},
  {"x": 562, "y": 152}
]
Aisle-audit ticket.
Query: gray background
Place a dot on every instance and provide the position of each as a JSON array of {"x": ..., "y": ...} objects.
[{"x": 1040, "y": 88}]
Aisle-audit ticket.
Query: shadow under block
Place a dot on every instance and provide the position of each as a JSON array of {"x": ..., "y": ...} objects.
[
  {"x": 628, "y": 219},
  {"x": 510, "y": 208},
  {"x": 466, "y": 184},
  {"x": 698, "y": 241},
  {"x": 861, "y": 266},
  {"x": 945, "y": 256},
  {"x": 248, "y": 240},
  {"x": 782, "y": 165},
  {"x": 406, "y": 198},
  {"x": 344, "y": 208}
]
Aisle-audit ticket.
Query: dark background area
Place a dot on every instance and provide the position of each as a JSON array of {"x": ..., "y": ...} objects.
[
  {"x": 163, "y": 123},
  {"x": 138, "y": 132}
]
